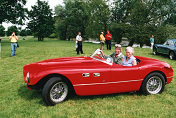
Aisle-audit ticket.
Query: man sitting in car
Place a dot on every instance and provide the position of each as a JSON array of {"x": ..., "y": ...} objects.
[{"x": 117, "y": 55}]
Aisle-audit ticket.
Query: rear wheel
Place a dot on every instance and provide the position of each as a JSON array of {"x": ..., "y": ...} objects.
[
  {"x": 55, "y": 91},
  {"x": 153, "y": 84},
  {"x": 155, "y": 51},
  {"x": 172, "y": 55}
]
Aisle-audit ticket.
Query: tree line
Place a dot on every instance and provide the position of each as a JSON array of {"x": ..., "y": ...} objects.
[{"x": 136, "y": 20}]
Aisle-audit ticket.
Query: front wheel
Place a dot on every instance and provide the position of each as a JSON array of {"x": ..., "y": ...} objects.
[
  {"x": 153, "y": 84},
  {"x": 172, "y": 55},
  {"x": 55, "y": 91}
]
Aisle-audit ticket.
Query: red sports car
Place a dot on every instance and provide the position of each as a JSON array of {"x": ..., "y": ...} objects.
[{"x": 95, "y": 75}]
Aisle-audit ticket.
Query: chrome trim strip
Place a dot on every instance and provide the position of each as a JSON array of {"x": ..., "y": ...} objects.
[{"x": 107, "y": 83}]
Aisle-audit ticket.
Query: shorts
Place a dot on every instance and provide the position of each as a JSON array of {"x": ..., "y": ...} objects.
[{"x": 102, "y": 42}]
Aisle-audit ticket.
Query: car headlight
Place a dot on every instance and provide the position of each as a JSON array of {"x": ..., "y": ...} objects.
[{"x": 27, "y": 77}]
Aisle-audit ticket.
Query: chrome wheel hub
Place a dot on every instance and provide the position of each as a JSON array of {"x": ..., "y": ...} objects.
[
  {"x": 58, "y": 92},
  {"x": 154, "y": 51},
  {"x": 154, "y": 85},
  {"x": 171, "y": 55}
]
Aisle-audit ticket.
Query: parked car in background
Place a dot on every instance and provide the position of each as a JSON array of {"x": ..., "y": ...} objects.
[
  {"x": 168, "y": 48},
  {"x": 95, "y": 75}
]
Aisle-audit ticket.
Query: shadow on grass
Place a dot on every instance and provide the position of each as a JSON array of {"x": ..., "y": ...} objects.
[
  {"x": 106, "y": 96},
  {"x": 28, "y": 95},
  {"x": 161, "y": 55}
]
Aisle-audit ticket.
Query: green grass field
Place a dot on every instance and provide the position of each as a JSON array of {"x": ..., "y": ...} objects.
[{"x": 19, "y": 102}]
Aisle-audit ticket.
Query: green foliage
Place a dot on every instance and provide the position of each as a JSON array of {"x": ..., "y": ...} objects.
[
  {"x": 141, "y": 19},
  {"x": 161, "y": 35},
  {"x": 53, "y": 35},
  {"x": 41, "y": 21},
  {"x": 172, "y": 13},
  {"x": 19, "y": 102},
  {"x": 117, "y": 31},
  {"x": 71, "y": 18},
  {"x": 90, "y": 17},
  {"x": 23, "y": 32},
  {"x": 171, "y": 31},
  {"x": 99, "y": 15},
  {"x": 2, "y": 31},
  {"x": 12, "y": 11},
  {"x": 12, "y": 29},
  {"x": 121, "y": 10}
]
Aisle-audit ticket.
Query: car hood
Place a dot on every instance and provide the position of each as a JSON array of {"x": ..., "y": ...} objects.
[
  {"x": 67, "y": 61},
  {"x": 158, "y": 44}
]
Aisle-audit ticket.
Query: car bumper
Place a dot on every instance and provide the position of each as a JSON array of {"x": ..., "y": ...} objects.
[
  {"x": 169, "y": 79},
  {"x": 28, "y": 86}
]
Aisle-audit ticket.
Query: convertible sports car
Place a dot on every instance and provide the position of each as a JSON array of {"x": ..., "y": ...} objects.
[
  {"x": 168, "y": 48},
  {"x": 94, "y": 75}
]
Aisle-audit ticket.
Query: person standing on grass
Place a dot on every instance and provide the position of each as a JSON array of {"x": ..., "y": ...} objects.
[
  {"x": 13, "y": 39},
  {"x": 152, "y": 41},
  {"x": 79, "y": 43},
  {"x": 102, "y": 40},
  {"x": 108, "y": 37}
]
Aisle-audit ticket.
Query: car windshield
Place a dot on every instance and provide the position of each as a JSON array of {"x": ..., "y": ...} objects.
[
  {"x": 175, "y": 43},
  {"x": 169, "y": 42},
  {"x": 98, "y": 56}
]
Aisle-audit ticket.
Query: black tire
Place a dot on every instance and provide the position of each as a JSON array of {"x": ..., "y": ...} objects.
[
  {"x": 55, "y": 91},
  {"x": 153, "y": 83},
  {"x": 171, "y": 55},
  {"x": 155, "y": 51}
]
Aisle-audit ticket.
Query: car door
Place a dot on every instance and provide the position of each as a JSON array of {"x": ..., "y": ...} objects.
[
  {"x": 125, "y": 78},
  {"x": 167, "y": 46},
  {"x": 162, "y": 48},
  {"x": 92, "y": 79}
]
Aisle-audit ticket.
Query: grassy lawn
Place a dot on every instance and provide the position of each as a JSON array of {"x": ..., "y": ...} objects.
[{"x": 17, "y": 101}]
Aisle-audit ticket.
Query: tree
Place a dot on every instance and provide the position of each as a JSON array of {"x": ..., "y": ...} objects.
[
  {"x": 71, "y": 18},
  {"x": 171, "y": 31},
  {"x": 143, "y": 17},
  {"x": 12, "y": 29},
  {"x": 2, "y": 31},
  {"x": 88, "y": 16},
  {"x": 170, "y": 19},
  {"x": 117, "y": 31},
  {"x": 60, "y": 22},
  {"x": 41, "y": 22},
  {"x": 23, "y": 32},
  {"x": 12, "y": 11},
  {"x": 99, "y": 15}
]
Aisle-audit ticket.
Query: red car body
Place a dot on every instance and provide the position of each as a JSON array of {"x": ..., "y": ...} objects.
[{"x": 91, "y": 76}]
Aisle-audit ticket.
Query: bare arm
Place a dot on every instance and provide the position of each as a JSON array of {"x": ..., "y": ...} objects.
[
  {"x": 134, "y": 62},
  {"x": 16, "y": 38},
  {"x": 121, "y": 62}
]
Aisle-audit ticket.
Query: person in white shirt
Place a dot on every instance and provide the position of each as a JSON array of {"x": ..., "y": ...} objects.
[{"x": 79, "y": 43}]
